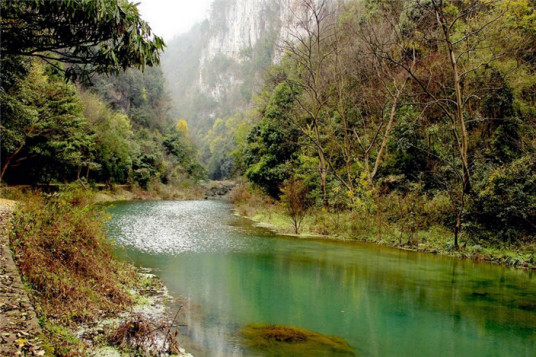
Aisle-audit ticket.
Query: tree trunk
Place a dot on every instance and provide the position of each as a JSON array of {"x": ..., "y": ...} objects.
[
  {"x": 322, "y": 165},
  {"x": 457, "y": 229},
  {"x": 464, "y": 140},
  {"x": 323, "y": 178},
  {"x": 366, "y": 159},
  {"x": 9, "y": 159},
  {"x": 385, "y": 136}
]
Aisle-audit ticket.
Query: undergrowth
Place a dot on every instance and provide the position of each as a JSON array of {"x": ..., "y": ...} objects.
[
  {"x": 409, "y": 222},
  {"x": 60, "y": 245}
]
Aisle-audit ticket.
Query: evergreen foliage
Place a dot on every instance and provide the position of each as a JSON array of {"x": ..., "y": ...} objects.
[
  {"x": 102, "y": 36},
  {"x": 118, "y": 129}
]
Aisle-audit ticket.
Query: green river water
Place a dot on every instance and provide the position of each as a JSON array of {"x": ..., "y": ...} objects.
[{"x": 382, "y": 301}]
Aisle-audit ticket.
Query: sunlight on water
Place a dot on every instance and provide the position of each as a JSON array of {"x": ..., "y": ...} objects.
[
  {"x": 174, "y": 228},
  {"x": 384, "y": 302}
]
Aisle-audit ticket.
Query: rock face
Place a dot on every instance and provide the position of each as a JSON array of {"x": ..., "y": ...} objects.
[
  {"x": 238, "y": 24},
  {"x": 215, "y": 68}
]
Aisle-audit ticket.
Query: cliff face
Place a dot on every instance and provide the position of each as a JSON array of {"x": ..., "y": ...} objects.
[
  {"x": 239, "y": 24},
  {"x": 236, "y": 25},
  {"x": 214, "y": 70}
]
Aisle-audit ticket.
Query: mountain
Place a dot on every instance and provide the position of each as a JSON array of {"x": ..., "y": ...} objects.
[{"x": 214, "y": 69}]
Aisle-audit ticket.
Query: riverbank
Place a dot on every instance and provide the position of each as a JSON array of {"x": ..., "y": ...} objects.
[
  {"x": 85, "y": 299},
  {"x": 149, "y": 327},
  {"x": 365, "y": 227},
  {"x": 155, "y": 192},
  {"x": 20, "y": 330}
]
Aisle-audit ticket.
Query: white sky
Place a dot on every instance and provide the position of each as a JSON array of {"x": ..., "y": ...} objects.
[{"x": 169, "y": 18}]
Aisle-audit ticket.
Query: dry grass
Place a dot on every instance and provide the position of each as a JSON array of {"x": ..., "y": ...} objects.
[
  {"x": 140, "y": 336},
  {"x": 66, "y": 261}
]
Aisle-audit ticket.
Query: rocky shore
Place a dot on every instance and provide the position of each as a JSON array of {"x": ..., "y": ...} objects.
[{"x": 150, "y": 327}]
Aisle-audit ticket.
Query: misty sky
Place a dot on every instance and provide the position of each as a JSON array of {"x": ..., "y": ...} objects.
[{"x": 168, "y": 18}]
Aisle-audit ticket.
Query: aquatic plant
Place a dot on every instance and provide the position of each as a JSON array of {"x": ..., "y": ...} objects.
[{"x": 282, "y": 340}]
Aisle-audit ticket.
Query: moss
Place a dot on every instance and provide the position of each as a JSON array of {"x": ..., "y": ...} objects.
[
  {"x": 63, "y": 340},
  {"x": 281, "y": 340}
]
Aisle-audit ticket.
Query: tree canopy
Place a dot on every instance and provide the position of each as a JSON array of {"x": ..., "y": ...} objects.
[{"x": 90, "y": 36}]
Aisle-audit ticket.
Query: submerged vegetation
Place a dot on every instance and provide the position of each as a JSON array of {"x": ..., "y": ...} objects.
[{"x": 281, "y": 340}]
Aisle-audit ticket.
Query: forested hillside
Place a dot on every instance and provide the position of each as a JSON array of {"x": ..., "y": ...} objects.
[
  {"x": 82, "y": 104},
  {"x": 410, "y": 124},
  {"x": 421, "y": 113},
  {"x": 89, "y": 118}
]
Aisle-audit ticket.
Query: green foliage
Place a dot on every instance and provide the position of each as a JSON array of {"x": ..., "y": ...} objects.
[
  {"x": 113, "y": 140},
  {"x": 180, "y": 148},
  {"x": 502, "y": 127},
  {"x": 408, "y": 149},
  {"x": 385, "y": 124},
  {"x": 272, "y": 144},
  {"x": 139, "y": 94},
  {"x": 157, "y": 150},
  {"x": 45, "y": 135},
  {"x": 53, "y": 131},
  {"x": 504, "y": 206},
  {"x": 220, "y": 148},
  {"x": 102, "y": 36}
]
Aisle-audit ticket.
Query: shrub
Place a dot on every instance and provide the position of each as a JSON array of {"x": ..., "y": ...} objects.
[
  {"x": 504, "y": 207},
  {"x": 62, "y": 251},
  {"x": 296, "y": 201}
]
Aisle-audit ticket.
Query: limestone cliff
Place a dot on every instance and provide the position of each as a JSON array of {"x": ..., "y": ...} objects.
[{"x": 214, "y": 70}]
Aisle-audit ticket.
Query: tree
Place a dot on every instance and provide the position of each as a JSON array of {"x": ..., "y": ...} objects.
[
  {"x": 370, "y": 36},
  {"x": 43, "y": 124},
  {"x": 309, "y": 47},
  {"x": 182, "y": 127},
  {"x": 89, "y": 36},
  {"x": 449, "y": 42},
  {"x": 296, "y": 201},
  {"x": 272, "y": 144},
  {"x": 113, "y": 140}
]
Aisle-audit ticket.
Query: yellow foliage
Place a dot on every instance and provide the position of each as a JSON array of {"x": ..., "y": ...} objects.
[{"x": 182, "y": 127}]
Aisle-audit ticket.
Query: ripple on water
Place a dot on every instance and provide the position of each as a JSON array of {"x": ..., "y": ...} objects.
[{"x": 174, "y": 227}]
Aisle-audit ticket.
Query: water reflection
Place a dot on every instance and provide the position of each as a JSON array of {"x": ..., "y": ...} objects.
[{"x": 382, "y": 301}]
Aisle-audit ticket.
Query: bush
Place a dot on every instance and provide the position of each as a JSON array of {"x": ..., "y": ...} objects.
[
  {"x": 504, "y": 207},
  {"x": 296, "y": 201}
]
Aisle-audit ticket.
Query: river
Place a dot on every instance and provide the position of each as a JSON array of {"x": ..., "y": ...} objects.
[{"x": 382, "y": 301}]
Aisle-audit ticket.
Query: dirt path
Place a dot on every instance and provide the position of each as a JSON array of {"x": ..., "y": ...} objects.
[{"x": 20, "y": 333}]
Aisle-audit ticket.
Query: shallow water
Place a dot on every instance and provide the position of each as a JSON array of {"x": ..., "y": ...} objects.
[{"x": 384, "y": 302}]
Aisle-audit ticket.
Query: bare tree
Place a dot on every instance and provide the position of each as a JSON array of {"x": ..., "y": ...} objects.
[
  {"x": 456, "y": 35},
  {"x": 309, "y": 47}
]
